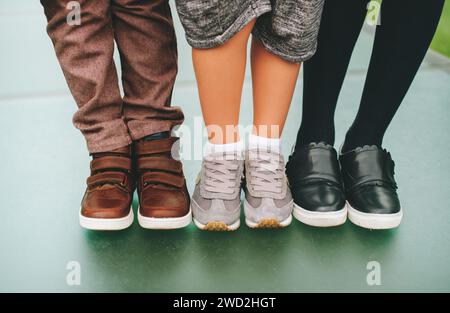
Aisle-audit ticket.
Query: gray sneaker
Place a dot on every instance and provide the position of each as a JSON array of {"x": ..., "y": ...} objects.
[
  {"x": 268, "y": 200},
  {"x": 216, "y": 204}
]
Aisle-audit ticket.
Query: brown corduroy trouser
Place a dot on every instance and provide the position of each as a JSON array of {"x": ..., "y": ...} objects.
[{"x": 144, "y": 34}]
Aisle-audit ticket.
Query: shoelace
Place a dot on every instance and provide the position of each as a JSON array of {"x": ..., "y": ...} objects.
[
  {"x": 220, "y": 175},
  {"x": 266, "y": 171}
]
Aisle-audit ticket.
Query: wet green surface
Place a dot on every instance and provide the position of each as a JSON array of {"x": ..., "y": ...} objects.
[{"x": 44, "y": 165}]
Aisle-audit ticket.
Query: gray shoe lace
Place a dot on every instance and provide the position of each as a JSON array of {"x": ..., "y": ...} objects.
[
  {"x": 220, "y": 175},
  {"x": 266, "y": 171}
]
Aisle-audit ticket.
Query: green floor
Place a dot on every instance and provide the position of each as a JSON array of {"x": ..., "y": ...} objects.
[
  {"x": 441, "y": 41},
  {"x": 44, "y": 165}
]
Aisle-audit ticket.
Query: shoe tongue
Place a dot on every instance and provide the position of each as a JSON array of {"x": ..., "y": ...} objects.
[
  {"x": 158, "y": 146},
  {"x": 266, "y": 162},
  {"x": 222, "y": 157},
  {"x": 125, "y": 151},
  {"x": 368, "y": 164},
  {"x": 314, "y": 162},
  {"x": 266, "y": 157}
]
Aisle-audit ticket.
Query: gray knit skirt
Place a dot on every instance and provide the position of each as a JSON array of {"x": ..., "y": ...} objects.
[{"x": 287, "y": 28}]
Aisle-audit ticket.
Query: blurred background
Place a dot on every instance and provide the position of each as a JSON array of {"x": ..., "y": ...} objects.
[{"x": 44, "y": 164}]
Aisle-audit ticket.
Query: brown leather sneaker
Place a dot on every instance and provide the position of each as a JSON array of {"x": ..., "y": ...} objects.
[
  {"x": 163, "y": 197},
  {"x": 107, "y": 202}
]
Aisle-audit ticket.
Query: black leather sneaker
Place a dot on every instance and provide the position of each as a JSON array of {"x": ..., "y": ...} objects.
[
  {"x": 370, "y": 188},
  {"x": 316, "y": 185}
]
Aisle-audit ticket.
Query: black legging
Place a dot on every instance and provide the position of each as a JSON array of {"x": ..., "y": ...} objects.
[{"x": 401, "y": 41}]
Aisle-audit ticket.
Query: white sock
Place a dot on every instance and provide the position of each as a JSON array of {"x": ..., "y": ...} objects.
[
  {"x": 227, "y": 148},
  {"x": 263, "y": 143}
]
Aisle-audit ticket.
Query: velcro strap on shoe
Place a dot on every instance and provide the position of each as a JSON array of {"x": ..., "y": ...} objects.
[
  {"x": 155, "y": 146},
  {"x": 111, "y": 162},
  {"x": 113, "y": 178},
  {"x": 162, "y": 178},
  {"x": 367, "y": 167},
  {"x": 160, "y": 164}
]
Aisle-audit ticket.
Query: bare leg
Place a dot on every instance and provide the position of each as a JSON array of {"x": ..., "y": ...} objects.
[
  {"x": 220, "y": 75},
  {"x": 274, "y": 82}
]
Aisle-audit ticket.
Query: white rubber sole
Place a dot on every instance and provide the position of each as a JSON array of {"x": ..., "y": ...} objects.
[
  {"x": 269, "y": 223},
  {"x": 164, "y": 223},
  {"x": 217, "y": 226},
  {"x": 106, "y": 223},
  {"x": 320, "y": 219},
  {"x": 374, "y": 221}
]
